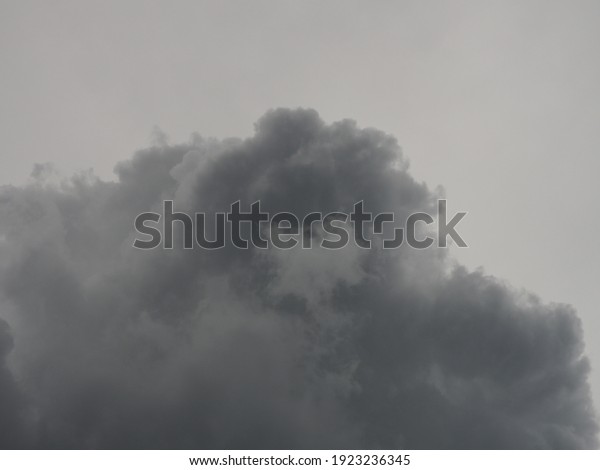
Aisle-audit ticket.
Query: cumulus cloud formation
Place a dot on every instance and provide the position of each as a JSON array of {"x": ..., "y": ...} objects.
[{"x": 106, "y": 346}]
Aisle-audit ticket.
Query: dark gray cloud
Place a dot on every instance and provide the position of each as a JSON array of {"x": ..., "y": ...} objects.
[{"x": 105, "y": 346}]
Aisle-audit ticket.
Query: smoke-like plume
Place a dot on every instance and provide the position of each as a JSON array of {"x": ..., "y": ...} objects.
[{"x": 106, "y": 346}]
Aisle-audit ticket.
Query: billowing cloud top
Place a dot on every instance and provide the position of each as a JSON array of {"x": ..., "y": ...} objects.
[{"x": 106, "y": 346}]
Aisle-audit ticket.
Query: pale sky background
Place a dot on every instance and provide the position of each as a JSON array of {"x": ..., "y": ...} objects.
[{"x": 496, "y": 101}]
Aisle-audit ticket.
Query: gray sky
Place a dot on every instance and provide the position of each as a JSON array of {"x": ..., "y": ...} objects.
[{"x": 496, "y": 101}]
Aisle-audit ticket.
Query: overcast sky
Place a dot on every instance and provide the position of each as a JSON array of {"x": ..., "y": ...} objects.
[{"x": 498, "y": 102}]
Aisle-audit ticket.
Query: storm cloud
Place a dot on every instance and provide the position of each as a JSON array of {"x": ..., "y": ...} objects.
[{"x": 106, "y": 346}]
